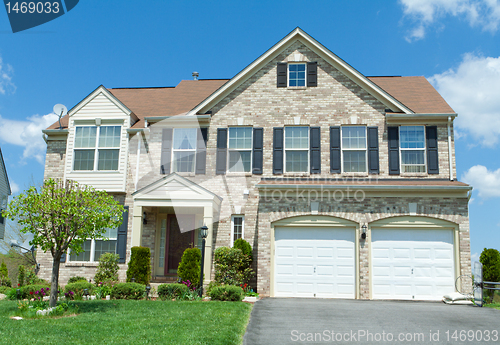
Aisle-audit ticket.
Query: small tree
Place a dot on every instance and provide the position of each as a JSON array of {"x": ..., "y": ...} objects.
[
  {"x": 139, "y": 266},
  {"x": 4, "y": 272},
  {"x": 62, "y": 215},
  {"x": 21, "y": 275},
  {"x": 490, "y": 258},
  {"x": 190, "y": 266},
  {"x": 108, "y": 268}
]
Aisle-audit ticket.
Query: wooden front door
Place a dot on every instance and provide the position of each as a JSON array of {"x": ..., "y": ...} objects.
[{"x": 177, "y": 242}]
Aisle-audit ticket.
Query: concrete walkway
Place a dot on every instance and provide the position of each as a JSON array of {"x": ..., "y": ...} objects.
[{"x": 313, "y": 321}]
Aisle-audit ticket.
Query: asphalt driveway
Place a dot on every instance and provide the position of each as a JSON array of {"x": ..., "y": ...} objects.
[{"x": 324, "y": 321}]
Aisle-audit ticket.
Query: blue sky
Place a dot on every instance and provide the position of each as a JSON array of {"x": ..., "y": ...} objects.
[{"x": 454, "y": 43}]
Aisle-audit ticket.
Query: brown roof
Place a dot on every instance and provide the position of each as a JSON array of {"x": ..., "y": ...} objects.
[
  {"x": 414, "y": 92},
  {"x": 360, "y": 182}
]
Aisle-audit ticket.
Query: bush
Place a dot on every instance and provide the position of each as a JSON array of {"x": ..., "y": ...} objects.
[
  {"x": 490, "y": 258},
  {"x": 171, "y": 291},
  {"x": 78, "y": 287},
  {"x": 21, "y": 274},
  {"x": 107, "y": 270},
  {"x": 232, "y": 267},
  {"x": 27, "y": 291},
  {"x": 211, "y": 285},
  {"x": 245, "y": 248},
  {"x": 139, "y": 266},
  {"x": 4, "y": 289},
  {"x": 189, "y": 267},
  {"x": 227, "y": 293},
  {"x": 4, "y": 275},
  {"x": 32, "y": 279},
  {"x": 128, "y": 291},
  {"x": 76, "y": 279}
]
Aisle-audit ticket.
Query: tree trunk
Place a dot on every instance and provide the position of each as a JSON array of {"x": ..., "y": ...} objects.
[{"x": 55, "y": 281}]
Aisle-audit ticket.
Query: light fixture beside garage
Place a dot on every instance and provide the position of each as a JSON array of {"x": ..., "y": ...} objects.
[{"x": 363, "y": 231}]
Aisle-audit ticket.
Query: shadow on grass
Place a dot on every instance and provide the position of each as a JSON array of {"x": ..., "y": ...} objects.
[{"x": 96, "y": 306}]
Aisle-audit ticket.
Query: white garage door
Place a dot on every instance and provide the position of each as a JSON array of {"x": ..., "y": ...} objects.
[
  {"x": 412, "y": 264},
  {"x": 314, "y": 262}
]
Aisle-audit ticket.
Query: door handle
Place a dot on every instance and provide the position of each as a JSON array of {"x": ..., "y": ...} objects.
[{"x": 314, "y": 269}]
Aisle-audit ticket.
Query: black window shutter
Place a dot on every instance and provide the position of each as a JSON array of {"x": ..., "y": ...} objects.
[
  {"x": 166, "y": 150},
  {"x": 312, "y": 74},
  {"x": 121, "y": 238},
  {"x": 432, "y": 150},
  {"x": 315, "y": 149},
  {"x": 373, "y": 165},
  {"x": 278, "y": 150},
  {"x": 257, "y": 154},
  {"x": 393, "y": 140},
  {"x": 282, "y": 80},
  {"x": 220, "y": 164},
  {"x": 335, "y": 150},
  {"x": 201, "y": 151}
]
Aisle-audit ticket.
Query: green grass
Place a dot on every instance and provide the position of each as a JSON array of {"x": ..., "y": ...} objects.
[
  {"x": 131, "y": 322},
  {"x": 493, "y": 305}
]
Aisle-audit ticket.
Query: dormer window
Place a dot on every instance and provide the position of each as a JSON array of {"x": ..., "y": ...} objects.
[{"x": 102, "y": 142}]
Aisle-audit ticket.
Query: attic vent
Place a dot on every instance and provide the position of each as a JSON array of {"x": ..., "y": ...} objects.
[{"x": 196, "y": 75}]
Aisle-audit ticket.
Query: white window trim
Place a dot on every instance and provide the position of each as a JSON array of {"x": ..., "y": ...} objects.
[
  {"x": 422, "y": 149},
  {"x": 237, "y": 150},
  {"x": 342, "y": 151},
  {"x": 308, "y": 150},
  {"x": 96, "y": 150},
  {"x": 172, "y": 162},
  {"x": 242, "y": 216},
  {"x": 288, "y": 73}
]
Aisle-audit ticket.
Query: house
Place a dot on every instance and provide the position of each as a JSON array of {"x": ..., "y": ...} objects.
[
  {"x": 344, "y": 185},
  {"x": 4, "y": 194}
]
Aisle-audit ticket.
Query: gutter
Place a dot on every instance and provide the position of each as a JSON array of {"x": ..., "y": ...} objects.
[
  {"x": 361, "y": 187},
  {"x": 412, "y": 116},
  {"x": 190, "y": 117},
  {"x": 449, "y": 148},
  {"x": 55, "y": 131}
]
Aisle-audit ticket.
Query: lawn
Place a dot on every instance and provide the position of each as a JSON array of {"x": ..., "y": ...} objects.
[{"x": 132, "y": 322}]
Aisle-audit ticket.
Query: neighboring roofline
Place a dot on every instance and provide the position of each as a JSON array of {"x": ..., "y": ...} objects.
[
  {"x": 55, "y": 131},
  {"x": 142, "y": 87},
  {"x": 299, "y": 34},
  {"x": 5, "y": 169},
  {"x": 93, "y": 94}
]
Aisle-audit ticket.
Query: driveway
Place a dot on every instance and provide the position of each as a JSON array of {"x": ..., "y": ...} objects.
[{"x": 313, "y": 321}]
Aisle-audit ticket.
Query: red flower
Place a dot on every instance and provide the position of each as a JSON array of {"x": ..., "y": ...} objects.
[
  {"x": 18, "y": 284},
  {"x": 31, "y": 292}
]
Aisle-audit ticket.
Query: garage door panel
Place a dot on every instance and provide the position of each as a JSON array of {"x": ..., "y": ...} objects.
[
  {"x": 322, "y": 261},
  {"x": 422, "y": 258}
]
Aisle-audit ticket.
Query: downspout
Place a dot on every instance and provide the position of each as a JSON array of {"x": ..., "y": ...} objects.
[
  {"x": 449, "y": 149},
  {"x": 138, "y": 159}
]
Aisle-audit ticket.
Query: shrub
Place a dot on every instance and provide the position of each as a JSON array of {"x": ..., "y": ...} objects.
[
  {"x": 232, "y": 267},
  {"x": 4, "y": 289},
  {"x": 490, "y": 258},
  {"x": 4, "y": 275},
  {"x": 211, "y": 285},
  {"x": 21, "y": 274},
  {"x": 76, "y": 279},
  {"x": 139, "y": 266},
  {"x": 32, "y": 279},
  {"x": 170, "y": 291},
  {"x": 189, "y": 267},
  {"x": 128, "y": 291},
  {"x": 78, "y": 287},
  {"x": 227, "y": 293},
  {"x": 245, "y": 248},
  {"x": 107, "y": 270},
  {"x": 27, "y": 291}
]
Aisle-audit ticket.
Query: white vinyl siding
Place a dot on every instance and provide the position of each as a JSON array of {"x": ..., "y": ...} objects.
[
  {"x": 4, "y": 190},
  {"x": 240, "y": 149},
  {"x": 354, "y": 156},
  {"x": 296, "y": 149},
  {"x": 110, "y": 114},
  {"x": 412, "y": 147}
]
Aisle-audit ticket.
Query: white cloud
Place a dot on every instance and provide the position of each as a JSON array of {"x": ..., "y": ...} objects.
[
  {"x": 27, "y": 134},
  {"x": 6, "y": 72},
  {"x": 472, "y": 90},
  {"x": 484, "y": 181},
  {"x": 14, "y": 187},
  {"x": 482, "y": 13}
]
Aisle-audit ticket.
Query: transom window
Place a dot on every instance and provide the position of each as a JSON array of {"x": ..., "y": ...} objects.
[
  {"x": 240, "y": 149},
  {"x": 93, "y": 249},
  {"x": 296, "y": 149},
  {"x": 354, "y": 149},
  {"x": 237, "y": 228},
  {"x": 296, "y": 74},
  {"x": 184, "y": 149},
  {"x": 92, "y": 141},
  {"x": 412, "y": 147}
]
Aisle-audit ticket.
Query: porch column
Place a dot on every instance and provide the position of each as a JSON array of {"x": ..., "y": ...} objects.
[
  {"x": 137, "y": 227},
  {"x": 208, "y": 221}
]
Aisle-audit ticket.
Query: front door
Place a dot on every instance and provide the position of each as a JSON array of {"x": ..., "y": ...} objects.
[{"x": 177, "y": 242}]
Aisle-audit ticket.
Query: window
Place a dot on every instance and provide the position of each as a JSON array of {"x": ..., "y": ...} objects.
[
  {"x": 184, "y": 149},
  {"x": 240, "y": 149},
  {"x": 412, "y": 147},
  {"x": 296, "y": 149},
  {"x": 297, "y": 74},
  {"x": 237, "y": 228},
  {"x": 92, "y": 141},
  {"x": 93, "y": 249},
  {"x": 354, "y": 149}
]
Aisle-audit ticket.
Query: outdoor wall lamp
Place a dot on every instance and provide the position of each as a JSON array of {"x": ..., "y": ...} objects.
[
  {"x": 144, "y": 220},
  {"x": 363, "y": 231},
  {"x": 204, "y": 234}
]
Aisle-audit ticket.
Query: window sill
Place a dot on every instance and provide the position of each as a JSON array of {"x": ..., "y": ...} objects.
[
  {"x": 354, "y": 174},
  {"x": 297, "y": 87},
  {"x": 298, "y": 174},
  {"x": 236, "y": 174},
  {"x": 185, "y": 174},
  {"x": 81, "y": 264},
  {"x": 413, "y": 175},
  {"x": 95, "y": 172}
]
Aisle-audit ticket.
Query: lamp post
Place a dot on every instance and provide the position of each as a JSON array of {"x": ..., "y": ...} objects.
[
  {"x": 13, "y": 243},
  {"x": 204, "y": 234},
  {"x": 363, "y": 231},
  {"x": 148, "y": 289}
]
